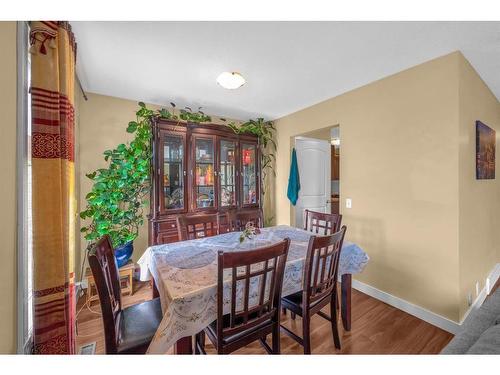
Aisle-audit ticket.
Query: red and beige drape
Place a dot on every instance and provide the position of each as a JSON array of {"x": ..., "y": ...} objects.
[{"x": 53, "y": 51}]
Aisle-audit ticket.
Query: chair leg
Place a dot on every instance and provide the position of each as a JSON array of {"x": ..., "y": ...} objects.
[
  {"x": 284, "y": 311},
  {"x": 196, "y": 344},
  {"x": 306, "y": 333},
  {"x": 276, "y": 338},
  {"x": 199, "y": 343},
  {"x": 333, "y": 315},
  {"x": 265, "y": 345},
  {"x": 292, "y": 315}
]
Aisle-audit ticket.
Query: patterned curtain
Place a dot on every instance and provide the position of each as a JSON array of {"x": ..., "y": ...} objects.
[{"x": 53, "y": 55}]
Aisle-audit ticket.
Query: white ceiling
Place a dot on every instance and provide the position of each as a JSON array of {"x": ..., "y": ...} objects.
[{"x": 288, "y": 65}]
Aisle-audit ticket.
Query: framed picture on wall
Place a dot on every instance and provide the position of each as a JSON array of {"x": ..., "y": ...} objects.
[{"x": 485, "y": 152}]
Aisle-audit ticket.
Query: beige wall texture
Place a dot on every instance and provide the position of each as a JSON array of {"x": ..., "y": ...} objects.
[
  {"x": 479, "y": 204},
  {"x": 399, "y": 165},
  {"x": 8, "y": 125},
  {"x": 324, "y": 134}
]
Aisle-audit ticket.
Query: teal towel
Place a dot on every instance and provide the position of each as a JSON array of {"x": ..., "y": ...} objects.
[{"x": 293, "y": 180}]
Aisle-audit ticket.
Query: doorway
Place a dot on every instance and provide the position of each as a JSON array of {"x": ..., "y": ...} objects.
[{"x": 318, "y": 159}]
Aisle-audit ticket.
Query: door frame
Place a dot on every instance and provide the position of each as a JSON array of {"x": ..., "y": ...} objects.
[
  {"x": 24, "y": 335},
  {"x": 293, "y": 213}
]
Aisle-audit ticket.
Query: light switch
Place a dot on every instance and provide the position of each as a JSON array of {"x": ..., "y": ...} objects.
[{"x": 348, "y": 203}]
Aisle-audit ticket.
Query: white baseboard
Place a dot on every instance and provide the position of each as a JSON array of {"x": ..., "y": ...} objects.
[
  {"x": 492, "y": 278},
  {"x": 401, "y": 304},
  {"x": 490, "y": 282},
  {"x": 424, "y": 314}
]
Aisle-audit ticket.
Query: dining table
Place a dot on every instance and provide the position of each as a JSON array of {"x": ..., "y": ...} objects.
[{"x": 184, "y": 276}]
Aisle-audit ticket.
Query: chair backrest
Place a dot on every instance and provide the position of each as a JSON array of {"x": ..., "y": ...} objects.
[
  {"x": 322, "y": 223},
  {"x": 237, "y": 220},
  {"x": 106, "y": 276},
  {"x": 259, "y": 271},
  {"x": 197, "y": 226},
  {"x": 321, "y": 266}
]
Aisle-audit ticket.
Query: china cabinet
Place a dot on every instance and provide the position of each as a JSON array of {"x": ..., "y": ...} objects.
[{"x": 200, "y": 169}]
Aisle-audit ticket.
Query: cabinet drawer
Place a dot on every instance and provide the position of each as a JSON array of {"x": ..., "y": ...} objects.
[
  {"x": 168, "y": 226},
  {"x": 166, "y": 237}
]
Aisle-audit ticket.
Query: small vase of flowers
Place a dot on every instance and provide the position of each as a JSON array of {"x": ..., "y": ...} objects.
[{"x": 250, "y": 232}]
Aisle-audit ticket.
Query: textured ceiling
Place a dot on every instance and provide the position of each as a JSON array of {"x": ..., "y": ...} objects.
[{"x": 288, "y": 65}]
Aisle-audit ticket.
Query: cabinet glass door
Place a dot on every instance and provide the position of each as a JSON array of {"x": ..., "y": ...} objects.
[
  {"x": 173, "y": 172},
  {"x": 249, "y": 173},
  {"x": 204, "y": 179},
  {"x": 227, "y": 171}
]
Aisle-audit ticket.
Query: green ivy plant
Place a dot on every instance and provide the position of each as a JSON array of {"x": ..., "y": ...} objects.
[
  {"x": 115, "y": 203},
  {"x": 265, "y": 131},
  {"x": 189, "y": 115},
  {"x": 186, "y": 114}
]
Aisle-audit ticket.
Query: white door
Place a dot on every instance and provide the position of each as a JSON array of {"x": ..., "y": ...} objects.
[{"x": 313, "y": 159}]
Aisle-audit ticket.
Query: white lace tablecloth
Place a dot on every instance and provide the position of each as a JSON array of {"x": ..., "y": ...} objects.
[{"x": 185, "y": 274}]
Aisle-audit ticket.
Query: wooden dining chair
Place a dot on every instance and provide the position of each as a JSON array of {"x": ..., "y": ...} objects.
[
  {"x": 319, "y": 287},
  {"x": 322, "y": 223},
  {"x": 126, "y": 330},
  {"x": 237, "y": 220},
  {"x": 258, "y": 274},
  {"x": 197, "y": 226}
]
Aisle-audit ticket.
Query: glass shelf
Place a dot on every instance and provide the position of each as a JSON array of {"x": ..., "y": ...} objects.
[
  {"x": 204, "y": 177},
  {"x": 227, "y": 171},
  {"x": 249, "y": 173},
  {"x": 173, "y": 172}
]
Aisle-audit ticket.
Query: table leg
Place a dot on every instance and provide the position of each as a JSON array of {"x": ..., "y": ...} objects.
[
  {"x": 184, "y": 346},
  {"x": 156, "y": 294},
  {"x": 346, "y": 282}
]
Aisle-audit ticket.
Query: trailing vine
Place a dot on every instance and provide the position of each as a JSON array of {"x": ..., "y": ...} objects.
[
  {"x": 115, "y": 202},
  {"x": 185, "y": 114}
]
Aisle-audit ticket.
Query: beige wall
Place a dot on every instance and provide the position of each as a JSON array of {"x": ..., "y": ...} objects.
[
  {"x": 8, "y": 276},
  {"x": 479, "y": 205},
  {"x": 399, "y": 165},
  {"x": 324, "y": 134}
]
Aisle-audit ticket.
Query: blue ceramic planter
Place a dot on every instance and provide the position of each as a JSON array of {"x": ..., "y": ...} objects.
[{"x": 123, "y": 253}]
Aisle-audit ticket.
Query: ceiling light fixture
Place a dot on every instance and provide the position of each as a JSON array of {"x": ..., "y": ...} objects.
[{"x": 230, "y": 80}]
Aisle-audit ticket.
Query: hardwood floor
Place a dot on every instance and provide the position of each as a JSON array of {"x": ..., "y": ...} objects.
[
  {"x": 89, "y": 323},
  {"x": 377, "y": 328}
]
